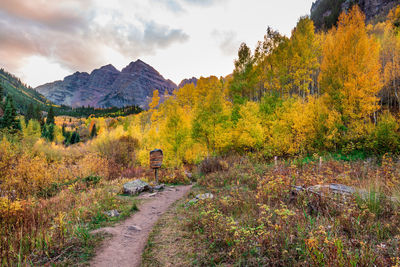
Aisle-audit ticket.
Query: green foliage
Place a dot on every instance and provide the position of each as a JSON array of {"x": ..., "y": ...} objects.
[
  {"x": 385, "y": 136},
  {"x": 244, "y": 76},
  {"x": 9, "y": 120},
  {"x": 30, "y": 113},
  {"x": 48, "y": 131},
  {"x": 50, "y": 116}
]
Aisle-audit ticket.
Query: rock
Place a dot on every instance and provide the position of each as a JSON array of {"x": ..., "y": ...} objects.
[
  {"x": 199, "y": 197},
  {"x": 112, "y": 213},
  {"x": 152, "y": 195},
  {"x": 135, "y": 187},
  {"x": 159, "y": 187},
  {"x": 205, "y": 196},
  {"x": 134, "y": 228},
  {"x": 325, "y": 10}
]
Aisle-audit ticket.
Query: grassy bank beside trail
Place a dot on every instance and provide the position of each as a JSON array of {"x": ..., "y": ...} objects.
[
  {"x": 56, "y": 230},
  {"x": 255, "y": 218}
]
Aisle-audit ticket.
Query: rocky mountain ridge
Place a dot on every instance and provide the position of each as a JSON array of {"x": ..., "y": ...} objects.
[
  {"x": 109, "y": 87},
  {"x": 325, "y": 13}
]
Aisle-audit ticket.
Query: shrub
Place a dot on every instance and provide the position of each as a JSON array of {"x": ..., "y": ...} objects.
[
  {"x": 385, "y": 135},
  {"x": 121, "y": 150},
  {"x": 212, "y": 164}
]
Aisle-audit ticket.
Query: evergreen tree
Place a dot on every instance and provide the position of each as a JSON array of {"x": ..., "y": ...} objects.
[
  {"x": 63, "y": 130},
  {"x": 48, "y": 127},
  {"x": 50, "y": 132},
  {"x": 67, "y": 140},
  {"x": 29, "y": 114},
  {"x": 93, "y": 133},
  {"x": 9, "y": 119},
  {"x": 50, "y": 116},
  {"x": 1, "y": 96},
  {"x": 75, "y": 138}
]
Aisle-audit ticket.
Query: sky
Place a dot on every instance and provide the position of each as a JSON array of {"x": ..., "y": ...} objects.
[{"x": 45, "y": 40}]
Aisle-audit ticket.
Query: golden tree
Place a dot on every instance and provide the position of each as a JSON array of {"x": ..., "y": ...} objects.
[{"x": 350, "y": 69}]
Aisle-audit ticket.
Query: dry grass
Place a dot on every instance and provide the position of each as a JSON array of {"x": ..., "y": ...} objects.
[{"x": 170, "y": 242}]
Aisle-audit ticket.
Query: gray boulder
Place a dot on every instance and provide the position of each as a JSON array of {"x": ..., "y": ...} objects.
[
  {"x": 112, "y": 213},
  {"x": 205, "y": 196},
  {"x": 199, "y": 197},
  {"x": 135, "y": 187}
]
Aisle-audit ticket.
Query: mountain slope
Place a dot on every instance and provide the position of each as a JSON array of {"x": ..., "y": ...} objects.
[
  {"x": 22, "y": 94},
  {"x": 325, "y": 13},
  {"x": 108, "y": 87}
]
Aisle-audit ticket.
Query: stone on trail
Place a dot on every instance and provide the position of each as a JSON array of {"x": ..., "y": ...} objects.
[
  {"x": 134, "y": 228},
  {"x": 159, "y": 187},
  {"x": 136, "y": 187}
]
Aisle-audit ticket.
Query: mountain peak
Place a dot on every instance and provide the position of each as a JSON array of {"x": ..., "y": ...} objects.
[
  {"x": 107, "y": 87},
  {"x": 192, "y": 80},
  {"x": 109, "y": 67},
  {"x": 138, "y": 66}
]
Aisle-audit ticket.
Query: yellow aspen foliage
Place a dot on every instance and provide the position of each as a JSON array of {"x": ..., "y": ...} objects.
[
  {"x": 301, "y": 127},
  {"x": 390, "y": 58},
  {"x": 186, "y": 95},
  {"x": 155, "y": 100},
  {"x": 211, "y": 115},
  {"x": 248, "y": 133},
  {"x": 350, "y": 69},
  {"x": 305, "y": 52}
]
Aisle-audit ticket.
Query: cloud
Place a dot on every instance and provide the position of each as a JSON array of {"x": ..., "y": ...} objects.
[
  {"x": 204, "y": 2},
  {"x": 177, "y": 6},
  {"x": 227, "y": 41},
  {"x": 172, "y": 5},
  {"x": 67, "y": 32}
]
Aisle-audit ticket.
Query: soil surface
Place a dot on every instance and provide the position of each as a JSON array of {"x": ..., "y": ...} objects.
[{"x": 129, "y": 237}]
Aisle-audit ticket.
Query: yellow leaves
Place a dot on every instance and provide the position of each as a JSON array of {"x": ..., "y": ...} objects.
[
  {"x": 249, "y": 132},
  {"x": 300, "y": 126},
  {"x": 155, "y": 100},
  {"x": 10, "y": 208},
  {"x": 284, "y": 212},
  {"x": 350, "y": 70}
]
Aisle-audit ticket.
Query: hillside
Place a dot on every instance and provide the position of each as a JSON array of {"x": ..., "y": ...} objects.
[
  {"x": 325, "y": 13},
  {"x": 22, "y": 94},
  {"x": 108, "y": 87}
]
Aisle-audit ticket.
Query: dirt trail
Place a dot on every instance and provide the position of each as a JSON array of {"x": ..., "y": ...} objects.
[{"x": 130, "y": 236}]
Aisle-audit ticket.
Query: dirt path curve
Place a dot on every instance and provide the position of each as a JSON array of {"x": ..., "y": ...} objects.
[{"x": 130, "y": 236}]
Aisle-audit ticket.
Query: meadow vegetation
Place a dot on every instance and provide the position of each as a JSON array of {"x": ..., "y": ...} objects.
[{"x": 257, "y": 218}]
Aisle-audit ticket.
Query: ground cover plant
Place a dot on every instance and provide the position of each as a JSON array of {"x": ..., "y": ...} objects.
[{"x": 256, "y": 218}]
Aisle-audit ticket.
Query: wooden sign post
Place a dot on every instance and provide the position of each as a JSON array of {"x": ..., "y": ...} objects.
[{"x": 156, "y": 158}]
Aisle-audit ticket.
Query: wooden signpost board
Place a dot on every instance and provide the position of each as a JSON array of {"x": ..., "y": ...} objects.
[{"x": 156, "y": 158}]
